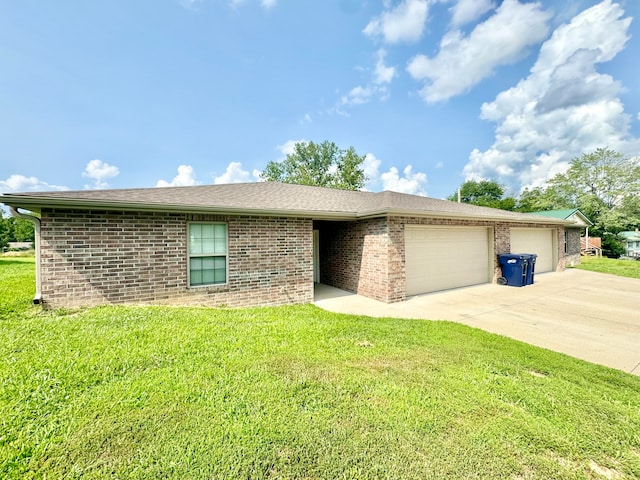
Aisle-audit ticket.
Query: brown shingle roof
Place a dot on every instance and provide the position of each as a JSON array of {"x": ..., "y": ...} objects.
[{"x": 266, "y": 198}]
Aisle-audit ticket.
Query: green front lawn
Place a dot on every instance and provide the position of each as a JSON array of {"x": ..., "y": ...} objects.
[
  {"x": 622, "y": 268},
  {"x": 295, "y": 392}
]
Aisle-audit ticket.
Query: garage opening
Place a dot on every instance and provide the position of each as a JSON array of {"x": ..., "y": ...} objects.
[
  {"x": 540, "y": 241},
  {"x": 441, "y": 258}
]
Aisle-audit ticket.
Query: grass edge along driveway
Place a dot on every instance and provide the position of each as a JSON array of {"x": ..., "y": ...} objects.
[
  {"x": 621, "y": 268},
  {"x": 295, "y": 392}
]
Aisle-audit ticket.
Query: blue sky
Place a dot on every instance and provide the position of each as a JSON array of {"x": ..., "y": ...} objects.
[{"x": 120, "y": 94}]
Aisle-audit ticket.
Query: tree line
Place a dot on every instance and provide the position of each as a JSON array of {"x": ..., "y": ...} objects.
[
  {"x": 14, "y": 229},
  {"x": 604, "y": 185}
]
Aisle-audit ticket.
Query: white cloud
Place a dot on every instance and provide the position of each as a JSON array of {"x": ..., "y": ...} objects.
[
  {"x": 185, "y": 178},
  {"x": 376, "y": 88},
  {"x": 404, "y": 23},
  {"x": 21, "y": 183},
  {"x": 463, "y": 61},
  {"x": 100, "y": 172},
  {"x": 563, "y": 108},
  {"x": 466, "y": 11},
  {"x": 358, "y": 95},
  {"x": 409, "y": 182},
  {"x": 370, "y": 166},
  {"x": 383, "y": 74},
  {"x": 563, "y": 91},
  {"x": 268, "y": 3},
  {"x": 288, "y": 147},
  {"x": 235, "y": 174}
]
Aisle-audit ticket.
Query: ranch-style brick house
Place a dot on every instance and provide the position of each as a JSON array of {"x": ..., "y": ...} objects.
[{"x": 268, "y": 243}]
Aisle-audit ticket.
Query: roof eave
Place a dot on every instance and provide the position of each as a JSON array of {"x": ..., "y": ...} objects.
[
  {"x": 460, "y": 216},
  {"x": 36, "y": 204}
]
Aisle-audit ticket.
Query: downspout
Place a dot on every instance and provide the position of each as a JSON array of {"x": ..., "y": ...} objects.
[{"x": 36, "y": 222}]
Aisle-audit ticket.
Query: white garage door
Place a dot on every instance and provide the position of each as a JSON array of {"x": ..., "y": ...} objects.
[
  {"x": 535, "y": 240},
  {"x": 438, "y": 258}
]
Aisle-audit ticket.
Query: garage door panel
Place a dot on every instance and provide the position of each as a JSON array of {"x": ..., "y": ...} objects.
[
  {"x": 538, "y": 241},
  {"x": 443, "y": 258}
]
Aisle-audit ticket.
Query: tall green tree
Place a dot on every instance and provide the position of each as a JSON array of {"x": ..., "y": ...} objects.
[
  {"x": 14, "y": 229},
  {"x": 22, "y": 230},
  {"x": 604, "y": 185},
  {"x": 623, "y": 217},
  {"x": 5, "y": 231},
  {"x": 486, "y": 193},
  {"x": 594, "y": 182},
  {"x": 601, "y": 179},
  {"x": 539, "y": 199},
  {"x": 321, "y": 164},
  {"x": 601, "y": 184}
]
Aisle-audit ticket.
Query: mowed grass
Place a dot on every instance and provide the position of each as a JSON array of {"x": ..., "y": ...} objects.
[
  {"x": 295, "y": 392},
  {"x": 622, "y": 268}
]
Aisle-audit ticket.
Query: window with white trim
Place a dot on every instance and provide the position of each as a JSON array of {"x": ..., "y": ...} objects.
[{"x": 207, "y": 254}]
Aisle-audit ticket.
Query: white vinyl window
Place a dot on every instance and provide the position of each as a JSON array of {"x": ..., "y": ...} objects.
[{"x": 207, "y": 254}]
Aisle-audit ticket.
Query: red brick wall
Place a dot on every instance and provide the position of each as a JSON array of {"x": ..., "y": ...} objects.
[
  {"x": 354, "y": 256},
  {"x": 97, "y": 257},
  {"x": 368, "y": 257}
]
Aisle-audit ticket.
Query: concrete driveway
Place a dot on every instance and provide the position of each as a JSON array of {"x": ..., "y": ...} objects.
[{"x": 592, "y": 316}]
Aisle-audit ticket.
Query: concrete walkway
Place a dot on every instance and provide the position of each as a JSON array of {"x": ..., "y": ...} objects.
[{"x": 592, "y": 316}]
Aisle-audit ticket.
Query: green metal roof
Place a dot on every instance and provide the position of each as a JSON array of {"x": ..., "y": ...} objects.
[
  {"x": 630, "y": 236},
  {"x": 561, "y": 214},
  {"x": 564, "y": 214}
]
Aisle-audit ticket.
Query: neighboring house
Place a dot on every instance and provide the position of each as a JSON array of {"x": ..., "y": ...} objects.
[
  {"x": 572, "y": 233},
  {"x": 267, "y": 243},
  {"x": 19, "y": 245},
  {"x": 632, "y": 243},
  {"x": 591, "y": 246}
]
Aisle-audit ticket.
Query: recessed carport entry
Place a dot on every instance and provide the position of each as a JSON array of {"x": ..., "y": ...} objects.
[
  {"x": 316, "y": 256},
  {"x": 440, "y": 258},
  {"x": 539, "y": 241}
]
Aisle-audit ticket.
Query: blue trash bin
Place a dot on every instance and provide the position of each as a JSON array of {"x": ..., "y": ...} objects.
[
  {"x": 531, "y": 268},
  {"x": 514, "y": 269}
]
